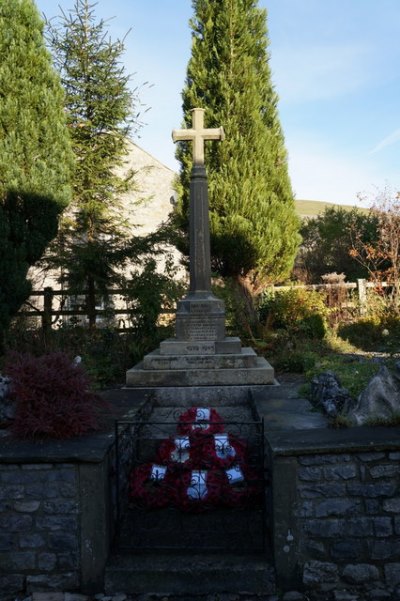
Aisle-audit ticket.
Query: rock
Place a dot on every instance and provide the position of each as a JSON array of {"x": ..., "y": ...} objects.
[
  {"x": 380, "y": 400},
  {"x": 327, "y": 392}
]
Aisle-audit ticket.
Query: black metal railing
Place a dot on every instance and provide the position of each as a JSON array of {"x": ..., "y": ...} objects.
[{"x": 190, "y": 486}]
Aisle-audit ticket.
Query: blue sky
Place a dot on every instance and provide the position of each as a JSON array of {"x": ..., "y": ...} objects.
[{"x": 335, "y": 66}]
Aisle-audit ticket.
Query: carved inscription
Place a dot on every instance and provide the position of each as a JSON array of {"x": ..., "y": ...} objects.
[{"x": 199, "y": 328}]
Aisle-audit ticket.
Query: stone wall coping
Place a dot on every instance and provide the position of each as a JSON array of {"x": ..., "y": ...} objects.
[
  {"x": 330, "y": 440},
  {"x": 84, "y": 449}
]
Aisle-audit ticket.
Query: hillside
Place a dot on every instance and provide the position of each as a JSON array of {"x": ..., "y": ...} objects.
[{"x": 312, "y": 208}]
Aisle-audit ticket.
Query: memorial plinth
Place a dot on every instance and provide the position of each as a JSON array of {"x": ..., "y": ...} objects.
[{"x": 200, "y": 354}]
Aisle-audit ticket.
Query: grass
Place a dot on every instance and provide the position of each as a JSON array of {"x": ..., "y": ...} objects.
[{"x": 312, "y": 208}]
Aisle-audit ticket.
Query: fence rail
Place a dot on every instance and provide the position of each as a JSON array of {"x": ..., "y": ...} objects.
[{"x": 49, "y": 314}]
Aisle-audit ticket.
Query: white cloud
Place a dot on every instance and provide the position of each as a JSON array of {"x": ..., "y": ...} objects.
[
  {"x": 321, "y": 71},
  {"x": 388, "y": 141}
]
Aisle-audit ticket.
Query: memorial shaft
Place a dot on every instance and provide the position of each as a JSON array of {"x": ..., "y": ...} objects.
[{"x": 199, "y": 232}]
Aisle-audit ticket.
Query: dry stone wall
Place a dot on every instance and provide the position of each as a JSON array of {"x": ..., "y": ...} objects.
[
  {"x": 338, "y": 521},
  {"x": 39, "y": 526}
]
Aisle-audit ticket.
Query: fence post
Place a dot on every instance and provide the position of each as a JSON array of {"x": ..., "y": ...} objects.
[
  {"x": 47, "y": 309},
  {"x": 362, "y": 295}
]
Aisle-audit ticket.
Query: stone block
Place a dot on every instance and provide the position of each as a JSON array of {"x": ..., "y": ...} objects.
[
  {"x": 293, "y": 596},
  {"x": 395, "y": 456},
  {"x": 7, "y": 541},
  {"x": 47, "y": 561},
  {"x": 305, "y": 510},
  {"x": 11, "y": 584},
  {"x": 67, "y": 561},
  {"x": 367, "y": 457},
  {"x": 316, "y": 550},
  {"x": 392, "y": 505},
  {"x": 378, "y": 594},
  {"x": 325, "y": 489},
  {"x": 33, "y": 467},
  {"x": 372, "y": 506},
  {"x": 31, "y": 541},
  {"x": 26, "y": 506},
  {"x": 17, "y": 561},
  {"x": 52, "y": 582},
  {"x": 384, "y": 471},
  {"x": 310, "y": 474},
  {"x": 323, "y": 528},
  {"x": 344, "y": 595},
  {"x": 318, "y": 572},
  {"x": 340, "y": 472},
  {"x": 12, "y": 491},
  {"x": 337, "y": 507},
  {"x": 62, "y": 541},
  {"x": 56, "y": 522},
  {"x": 347, "y": 549},
  {"x": 392, "y": 574},
  {"x": 60, "y": 506},
  {"x": 56, "y": 596},
  {"x": 378, "y": 489},
  {"x": 324, "y": 459},
  {"x": 15, "y": 522},
  {"x": 360, "y": 573},
  {"x": 383, "y": 526}
]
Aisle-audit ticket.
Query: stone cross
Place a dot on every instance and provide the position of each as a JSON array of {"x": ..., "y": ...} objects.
[
  {"x": 197, "y": 134},
  {"x": 199, "y": 227}
]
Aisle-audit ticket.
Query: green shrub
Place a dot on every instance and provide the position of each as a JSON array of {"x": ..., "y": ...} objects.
[{"x": 297, "y": 310}]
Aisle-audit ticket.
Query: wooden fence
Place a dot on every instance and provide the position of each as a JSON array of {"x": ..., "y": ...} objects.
[
  {"x": 45, "y": 310},
  {"x": 48, "y": 306}
]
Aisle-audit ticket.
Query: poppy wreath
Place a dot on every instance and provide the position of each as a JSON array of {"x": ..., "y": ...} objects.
[
  {"x": 242, "y": 494},
  {"x": 152, "y": 493},
  {"x": 191, "y": 421},
  {"x": 217, "y": 451},
  {"x": 213, "y": 493},
  {"x": 168, "y": 454}
]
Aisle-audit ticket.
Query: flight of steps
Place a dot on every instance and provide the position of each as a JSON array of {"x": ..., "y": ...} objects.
[{"x": 168, "y": 551}]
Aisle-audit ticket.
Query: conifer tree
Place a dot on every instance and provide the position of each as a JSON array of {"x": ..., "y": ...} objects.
[
  {"x": 99, "y": 105},
  {"x": 35, "y": 153},
  {"x": 254, "y": 228}
]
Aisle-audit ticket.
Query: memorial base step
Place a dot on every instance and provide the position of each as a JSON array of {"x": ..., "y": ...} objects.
[
  {"x": 246, "y": 358},
  {"x": 262, "y": 373},
  {"x": 189, "y": 574}
]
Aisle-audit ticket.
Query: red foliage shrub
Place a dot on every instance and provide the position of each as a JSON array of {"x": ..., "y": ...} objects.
[{"x": 52, "y": 395}]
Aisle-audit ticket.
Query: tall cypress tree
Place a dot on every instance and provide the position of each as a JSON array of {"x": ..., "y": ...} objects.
[
  {"x": 99, "y": 105},
  {"x": 254, "y": 228},
  {"x": 35, "y": 153}
]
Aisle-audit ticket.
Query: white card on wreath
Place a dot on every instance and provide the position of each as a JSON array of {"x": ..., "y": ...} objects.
[
  {"x": 198, "y": 485},
  {"x": 223, "y": 447},
  {"x": 202, "y": 418},
  {"x": 234, "y": 474},
  {"x": 181, "y": 451},
  {"x": 158, "y": 472}
]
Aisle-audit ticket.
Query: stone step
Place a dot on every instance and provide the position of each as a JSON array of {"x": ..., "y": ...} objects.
[
  {"x": 190, "y": 574},
  {"x": 225, "y": 530},
  {"x": 228, "y": 345},
  {"x": 246, "y": 358},
  {"x": 262, "y": 373}
]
